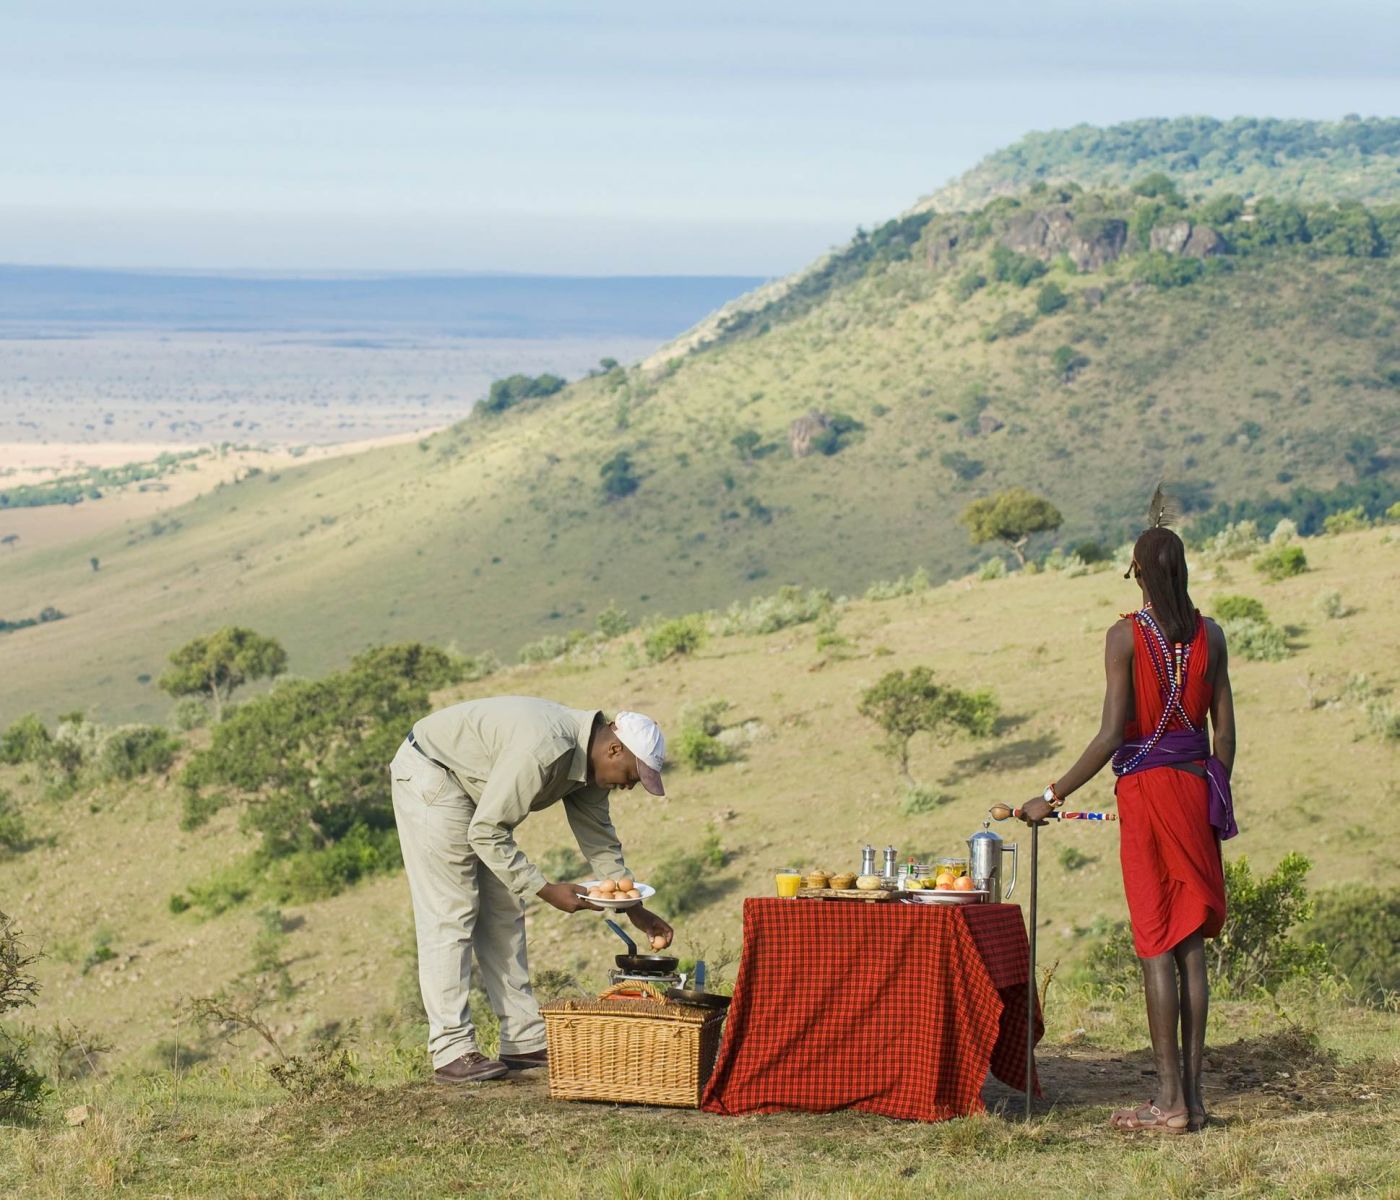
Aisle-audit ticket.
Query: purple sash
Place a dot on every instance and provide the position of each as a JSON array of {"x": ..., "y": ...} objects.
[{"x": 1182, "y": 746}]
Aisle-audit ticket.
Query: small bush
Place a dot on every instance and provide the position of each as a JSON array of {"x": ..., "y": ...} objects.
[
  {"x": 964, "y": 467},
  {"x": 687, "y": 881},
  {"x": 1284, "y": 532},
  {"x": 1237, "y": 540},
  {"x": 613, "y": 621},
  {"x": 25, "y": 741},
  {"x": 619, "y": 476},
  {"x": 918, "y": 800},
  {"x": 1073, "y": 859},
  {"x": 1011, "y": 266},
  {"x": 790, "y": 605},
  {"x": 21, "y": 1086},
  {"x": 1255, "y": 952},
  {"x": 101, "y": 951},
  {"x": 1256, "y": 641},
  {"x": 905, "y": 585},
  {"x": 698, "y": 746},
  {"x": 1332, "y": 606},
  {"x": 316, "y": 874},
  {"x": 1349, "y": 520},
  {"x": 1239, "y": 608},
  {"x": 1360, "y": 926},
  {"x": 993, "y": 568},
  {"x": 1050, "y": 299},
  {"x": 1384, "y": 720},
  {"x": 967, "y": 284},
  {"x": 677, "y": 638},
  {"x": 1280, "y": 562},
  {"x": 188, "y": 712},
  {"x": 839, "y": 431},
  {"x": 135, "y": 750},
  {"x": 563, "y": 863},
  {"x": 14, "y": 832}
]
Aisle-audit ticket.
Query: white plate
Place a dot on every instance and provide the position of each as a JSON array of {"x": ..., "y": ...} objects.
[
  {"x": 618, "y": 905},
  {"x": 944, "y": 896}
]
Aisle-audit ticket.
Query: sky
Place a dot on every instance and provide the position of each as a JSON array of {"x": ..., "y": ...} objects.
[{"x": 738, "y": 136}]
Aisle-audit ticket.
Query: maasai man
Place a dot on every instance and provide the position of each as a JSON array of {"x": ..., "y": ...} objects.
[{"x": 1167, "y": 671}]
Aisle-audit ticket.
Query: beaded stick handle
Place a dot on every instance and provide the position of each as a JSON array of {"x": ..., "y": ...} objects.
[{"x": 1000, "y": 812}]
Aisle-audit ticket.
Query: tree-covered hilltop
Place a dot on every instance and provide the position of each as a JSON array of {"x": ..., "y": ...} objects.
[{"x": 1350, "y": 159}]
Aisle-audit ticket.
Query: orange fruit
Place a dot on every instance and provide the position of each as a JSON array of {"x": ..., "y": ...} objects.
[{"x": 962, "y": 884}]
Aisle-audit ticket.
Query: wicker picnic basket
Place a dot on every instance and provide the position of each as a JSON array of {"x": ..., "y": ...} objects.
[{"x": 647, "y": 1050}]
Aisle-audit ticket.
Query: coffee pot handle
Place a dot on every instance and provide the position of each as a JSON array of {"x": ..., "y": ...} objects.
[{"x": 1011, "y": 848}]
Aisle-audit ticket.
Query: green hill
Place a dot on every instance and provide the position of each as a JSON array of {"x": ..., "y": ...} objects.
[
  {"x": 1082, "y": 343},
  {"x": 1352, "y": 159}
]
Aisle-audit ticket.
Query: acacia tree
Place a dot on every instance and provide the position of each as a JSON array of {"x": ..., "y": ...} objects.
[
  {"x": 1011, "y": 517},
  {"x": 218, "y": 663},
  {"x": 904, "y": 704}
]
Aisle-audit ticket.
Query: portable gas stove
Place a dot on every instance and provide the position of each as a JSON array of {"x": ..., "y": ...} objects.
[{"x": 668, "y": 980}]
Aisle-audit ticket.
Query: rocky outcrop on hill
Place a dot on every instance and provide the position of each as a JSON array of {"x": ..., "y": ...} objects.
[
  {"x": 1090, "y": 242},
  {"x": 1188, "y": 240}
]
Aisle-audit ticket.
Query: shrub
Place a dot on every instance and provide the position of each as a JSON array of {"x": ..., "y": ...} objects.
[
  {"x": 1050, "y": 299},
  {"x": 1238, "y": 540},
  {"x": 21, "y": 1087},
  {"x": 1162, "y": 270},
  {"x": 1332, "y": 606},
  {"x": 1256, "y": 641},
  {"x": 1072, "y": 858},
  {"x": 697, "y": 745},
  {"x": 514, "y": 389},
  {"x": 1254, "y": 951},
  {"x": 317, "y": 873},
  {"x": 1239, "y": 608},
  {"x": 967, "y": 284},
  {"x": 546, "y": 649},
  {"x": 993, "y": 568},
  {"x": 1284, "y": 532},
  {"x": 838, "y": 432},
  {"x": 1280, "y": 562},
  {"x": 563, "y": 862},
  {"x": 1384, "y": 720},
  {"x": 14, "y": 832},
  {"x": 676, "y": 638},
  {"x": 1011, "y": 266},
  {"x": 414, "y": 662},
  {"x": 27, "y": 740},
  {"x": 135, "y": 750},
  {"x": 1349, "y": 520},
  {"x": 905, "y": 585},
  {"x": 964, "y": 467},
  {"x": 687, "y": 881},
  {"x": 789, "y": 605},
  {"x": 613, "y": 621},
  {"x": 188, "y": 712},
  {"x": 919, "y": 800},
  {"x": 619, "y": 476},
  {"x": 1360, "y": 926},
  {"x": 1089, "y": 552},
  {"x": 1067, "y": 362}
]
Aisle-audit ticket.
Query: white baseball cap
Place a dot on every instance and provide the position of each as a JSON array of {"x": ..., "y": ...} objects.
[{"x": 644, "y": 738}]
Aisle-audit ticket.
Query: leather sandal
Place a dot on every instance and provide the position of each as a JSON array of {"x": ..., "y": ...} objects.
[{"x": 1151, "y": 1119}]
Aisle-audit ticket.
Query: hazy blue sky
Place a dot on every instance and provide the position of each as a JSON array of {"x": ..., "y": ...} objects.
[{"x": 735, "y": 136}]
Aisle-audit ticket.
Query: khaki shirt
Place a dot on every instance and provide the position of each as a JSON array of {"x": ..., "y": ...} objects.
[{"x": 514, "y": 755}]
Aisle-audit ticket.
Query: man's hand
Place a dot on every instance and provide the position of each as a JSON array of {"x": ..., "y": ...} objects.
[
  {"x": 1034, "y": 812},
  {"x": 653, "y": 926},
  {"x": 566, "y": 897}
]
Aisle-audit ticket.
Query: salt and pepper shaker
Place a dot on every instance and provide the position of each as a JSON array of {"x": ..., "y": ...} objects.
[
  {"x": 867, "y": 860},
  {"x": 891, "y": 863}
]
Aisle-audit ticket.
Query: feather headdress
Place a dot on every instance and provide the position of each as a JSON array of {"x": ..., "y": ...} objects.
[{"x": 1161, "y": 509}]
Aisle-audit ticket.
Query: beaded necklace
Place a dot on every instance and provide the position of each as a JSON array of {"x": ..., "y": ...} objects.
[{"x": 1170, "y": 663}]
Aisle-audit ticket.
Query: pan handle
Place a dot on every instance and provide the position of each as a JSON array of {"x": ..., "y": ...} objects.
[{"x": 622, "y": 933}]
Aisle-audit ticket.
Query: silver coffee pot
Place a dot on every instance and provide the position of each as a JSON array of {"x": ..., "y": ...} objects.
[{"x": 985, "y": 850}]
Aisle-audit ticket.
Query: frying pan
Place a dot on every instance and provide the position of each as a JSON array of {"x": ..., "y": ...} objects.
[
  {"x": 697, "y": 995},
  {"x": 640, "y": 964}
]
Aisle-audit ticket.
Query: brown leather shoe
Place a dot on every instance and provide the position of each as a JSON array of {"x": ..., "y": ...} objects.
[
  {"x": 470, "y": 1068},
  {"x": 526, "y": 1062}
]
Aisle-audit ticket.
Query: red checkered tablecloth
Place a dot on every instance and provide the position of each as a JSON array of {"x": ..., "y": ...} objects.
[{"x": 896, "y": 1009}]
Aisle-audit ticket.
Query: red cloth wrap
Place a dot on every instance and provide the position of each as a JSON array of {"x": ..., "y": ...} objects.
[
  {"x": 889, "y": 1008},
  {"x": 1172, "y": 874}
]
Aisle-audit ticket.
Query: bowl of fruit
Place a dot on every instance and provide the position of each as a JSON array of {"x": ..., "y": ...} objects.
[{"x": 949, "y": 884}]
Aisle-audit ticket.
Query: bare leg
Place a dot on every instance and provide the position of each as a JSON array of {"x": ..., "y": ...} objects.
[
  {"x": 1190, "y": 956},
  {"x": 1159, "y": 977}
]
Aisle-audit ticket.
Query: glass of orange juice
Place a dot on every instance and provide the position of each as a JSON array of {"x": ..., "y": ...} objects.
[{"x": 788, "y": 879}]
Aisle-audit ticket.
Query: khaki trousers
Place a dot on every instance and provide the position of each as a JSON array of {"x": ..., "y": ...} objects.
[{"x": 459, "y": 906}]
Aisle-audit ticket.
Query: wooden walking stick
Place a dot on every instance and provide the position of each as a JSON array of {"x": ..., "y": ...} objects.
[{"x": 1000, "y": 812}]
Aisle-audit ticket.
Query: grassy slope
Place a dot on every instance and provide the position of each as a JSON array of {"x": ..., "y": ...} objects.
[
  {"x": 493, "y": 536},
  {"x": 1312, "y": 779},
  {"x": 1309, "y": 778},
  {"x": 1307, "y": 160}
]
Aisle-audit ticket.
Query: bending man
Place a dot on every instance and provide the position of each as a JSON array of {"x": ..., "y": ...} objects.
[{"x": 463, "y": 779}]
